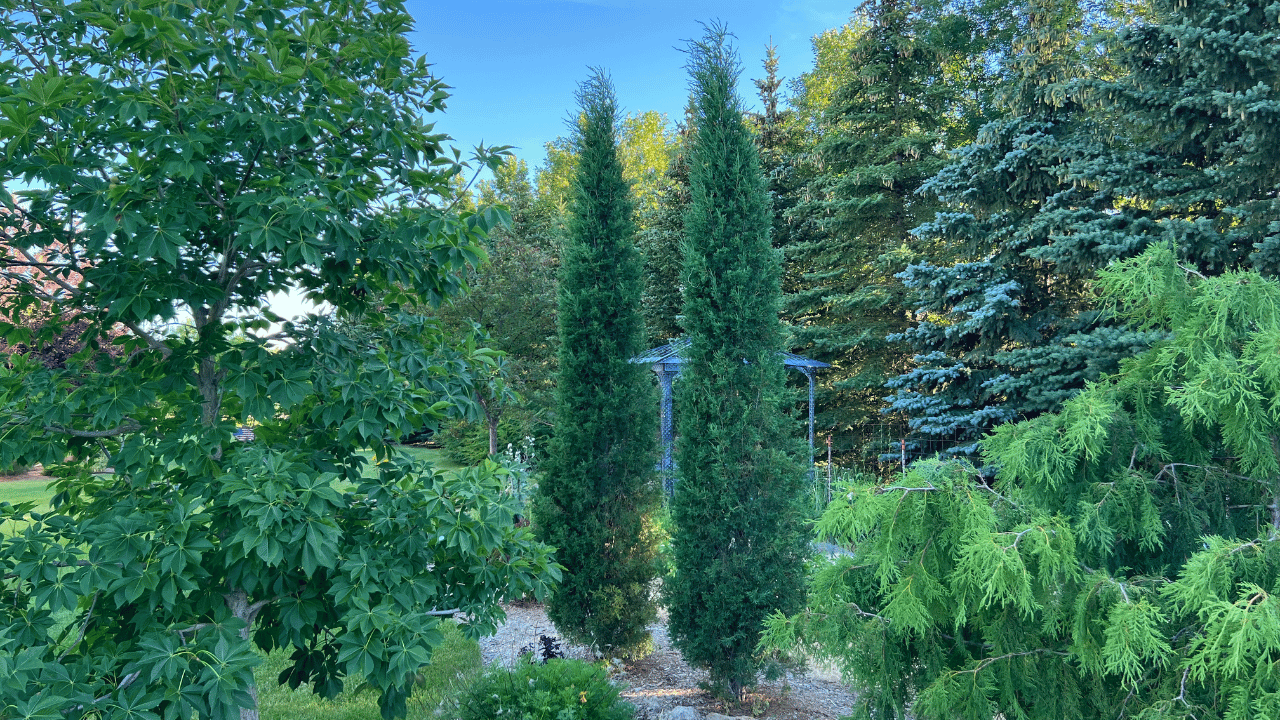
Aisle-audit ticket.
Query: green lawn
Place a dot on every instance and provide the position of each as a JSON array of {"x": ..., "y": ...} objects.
[
  {"x": 20, "y": 491},
  {"x": 454, "y": 663}
]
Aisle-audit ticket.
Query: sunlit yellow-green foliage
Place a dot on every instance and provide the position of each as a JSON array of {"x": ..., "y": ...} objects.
[
  {"x": 832, "y": 64},
  {"x": 646, "y": 141}
]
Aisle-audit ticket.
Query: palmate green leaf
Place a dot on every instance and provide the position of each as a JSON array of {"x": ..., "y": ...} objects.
[{"x": 237, "y": 184}]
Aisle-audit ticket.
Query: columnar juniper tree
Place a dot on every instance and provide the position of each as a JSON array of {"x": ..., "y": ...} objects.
[
  {"x": 738, "y": 542},
  {"x": 598, "y": 496},
  {"x": 188, "y": 159}
]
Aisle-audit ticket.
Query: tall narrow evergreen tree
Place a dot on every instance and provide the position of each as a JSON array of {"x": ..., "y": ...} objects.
[
  {"x": 597, "y": 498},
  {"x": 739, "y": 541}
]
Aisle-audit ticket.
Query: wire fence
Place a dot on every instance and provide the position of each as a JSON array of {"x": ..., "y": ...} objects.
[{"x": 883, "y": 448}]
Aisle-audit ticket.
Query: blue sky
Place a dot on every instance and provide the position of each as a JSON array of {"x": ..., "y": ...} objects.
[{"x": 514, "y": 64}]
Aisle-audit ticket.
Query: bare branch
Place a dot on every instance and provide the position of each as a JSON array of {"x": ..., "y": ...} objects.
[
  {"x": 152, "y": 342},
  {"x": 83, "y": 627}
]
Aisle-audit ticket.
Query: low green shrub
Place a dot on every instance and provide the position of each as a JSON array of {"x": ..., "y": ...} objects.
[{"x": 555, "y": 690}]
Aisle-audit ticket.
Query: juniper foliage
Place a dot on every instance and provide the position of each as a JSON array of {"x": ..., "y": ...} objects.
[
  {"x": 597, "y": 499},
  {"x": 738, "y": 542}
]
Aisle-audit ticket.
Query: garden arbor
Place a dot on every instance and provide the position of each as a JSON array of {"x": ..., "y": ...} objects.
[{"x": 665, "y": 361}]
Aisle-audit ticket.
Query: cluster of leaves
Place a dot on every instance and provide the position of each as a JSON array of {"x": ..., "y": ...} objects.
[
  {"x": 184, "y": 161},
  {"x": 557, "y": 689}
]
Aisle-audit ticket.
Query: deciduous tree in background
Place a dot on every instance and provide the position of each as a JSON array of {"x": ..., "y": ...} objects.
[
  {"x": 187, "y": 160},
  {"x": 597, "y": 498},
  {"x": 739, "y": 542}
]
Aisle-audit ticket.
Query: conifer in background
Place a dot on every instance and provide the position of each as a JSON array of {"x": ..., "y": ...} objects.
[
  {"x": 597, "y": 496},
  {"x": 1008, "y": 328},
  {"x": 660, "y": 237},
  {"x": 891, "y": 117},
  {"x": 738, "y": 544},
  {"x": 1196, "y": 105}
]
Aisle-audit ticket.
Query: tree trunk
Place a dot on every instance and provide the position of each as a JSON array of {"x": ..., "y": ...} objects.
[
  {"x": 491, "y": 416},
  {"x": 238, "y": 603}
]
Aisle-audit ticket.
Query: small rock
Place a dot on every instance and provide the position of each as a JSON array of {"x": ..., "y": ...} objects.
[
  {"x": 718, "y": 716},
  {"x": 680, "y": 713}
]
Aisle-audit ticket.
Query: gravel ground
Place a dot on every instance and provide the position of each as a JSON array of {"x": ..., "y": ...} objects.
[{"x": 662, "y": 680}]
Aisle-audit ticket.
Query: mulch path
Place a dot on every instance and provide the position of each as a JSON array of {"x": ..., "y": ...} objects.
[{"x": 35, "y": 473}]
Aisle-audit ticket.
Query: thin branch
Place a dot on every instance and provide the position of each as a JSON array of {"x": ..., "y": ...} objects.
[
  {"x": 83, "y": 628},
  {"x": 904, "y": 488},
  {"x": 73, "y": 290},
  {"x": 1182, "y": 694},
  {"x": 128, "y": 427},
  {"x": 988, "y": 661},
  {"x": 30, "y": 55},
  {"x": 248, "y": 169},
  {"x": 1191, "y": 271},
  {"x": 152, "y": 341},
  {"x": 125, "y": 683},
  {"x": 216, "y": 201},
  {"x": 444, "y": 613}
]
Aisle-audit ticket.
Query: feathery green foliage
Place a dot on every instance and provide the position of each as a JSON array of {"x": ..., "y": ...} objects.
[
  {"x": 1124, "y": 560},
  {"x": 598, "y": 496},
  {"x": 738, "y": 542}
]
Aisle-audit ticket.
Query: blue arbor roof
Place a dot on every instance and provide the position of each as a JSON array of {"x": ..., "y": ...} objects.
[
  {"x": 666, "y": 361},
  {"x": 673, "y": 354}
]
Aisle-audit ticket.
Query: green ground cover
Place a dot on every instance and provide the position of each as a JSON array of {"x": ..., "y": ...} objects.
[{"x": 454, "y": 664}]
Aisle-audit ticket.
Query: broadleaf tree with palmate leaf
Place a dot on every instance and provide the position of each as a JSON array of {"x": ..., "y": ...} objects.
[{"x": 179, "y": 162}]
